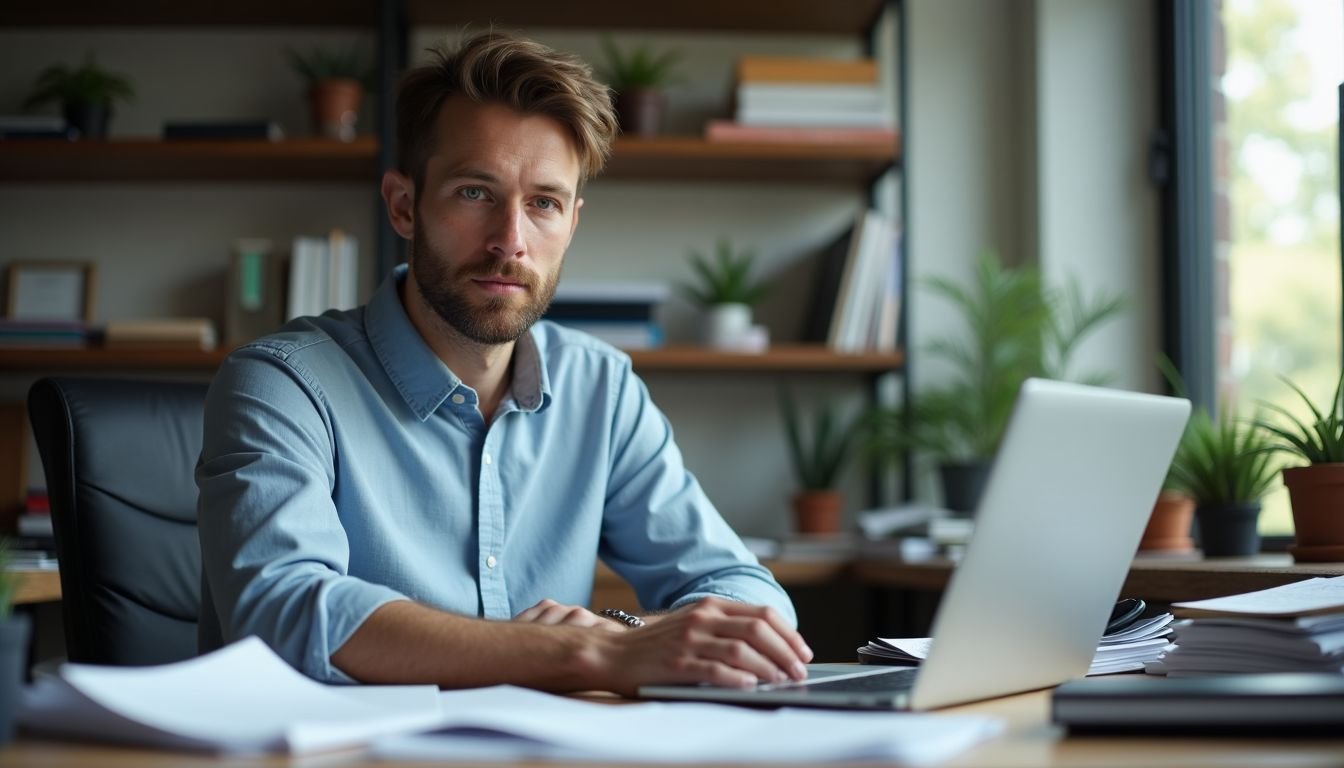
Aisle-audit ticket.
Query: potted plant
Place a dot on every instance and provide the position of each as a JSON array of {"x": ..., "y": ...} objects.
[
  {"x": 86, "y": 93},
  {"x": 818, "y": 460},
  {"x": 14, "y": 632},
  {"x": 727, "y": 291},
  {"x": 1316, "y": 490},
  {"x": 638, "y": 80},
  {"x": 336, "y": 82},
  {"x": 1226, "y": 467},
  {"x": 1016, "y": 328}
]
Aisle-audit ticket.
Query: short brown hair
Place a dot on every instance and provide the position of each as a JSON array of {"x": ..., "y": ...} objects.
[{"x": 499, "y": 67}]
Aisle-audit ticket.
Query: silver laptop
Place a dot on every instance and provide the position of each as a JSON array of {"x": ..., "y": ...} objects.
[{"x": 1059, "y": 522}]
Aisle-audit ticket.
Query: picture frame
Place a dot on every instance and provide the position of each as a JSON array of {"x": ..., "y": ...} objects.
[{"x": 59, "y": 291}]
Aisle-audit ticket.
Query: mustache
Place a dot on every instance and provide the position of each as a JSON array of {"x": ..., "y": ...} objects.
[{"x": 508, "y": 271}]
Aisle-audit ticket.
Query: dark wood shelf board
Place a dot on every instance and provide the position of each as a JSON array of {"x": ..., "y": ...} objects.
[
  {"x": 847, "y": 17},
  {"x": 689, "y": 158},
  {"x": 797, "y": 358},
  {"x": 300, "y": 159},
  {"x": 163, "y": 13}
]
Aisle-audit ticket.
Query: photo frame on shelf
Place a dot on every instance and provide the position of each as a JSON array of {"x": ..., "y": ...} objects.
[{"x": 51, "y": 291}]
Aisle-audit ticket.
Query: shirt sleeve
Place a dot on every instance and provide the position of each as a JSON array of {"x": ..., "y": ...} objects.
[
  {"x": 660, "y": 531},
  {"x": 273, "y": 550}
]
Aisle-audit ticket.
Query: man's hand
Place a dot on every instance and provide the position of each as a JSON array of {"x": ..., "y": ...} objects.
[
  {"x": 550, "y": 612},
  {"x": 713, "y": 641}
]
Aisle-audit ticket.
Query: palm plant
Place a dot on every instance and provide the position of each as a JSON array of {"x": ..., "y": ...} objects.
[
  {"x": 641, "y": 68},
  {"x": 86, "y": 84},
  {"x": 817, "y": 462},
  {"x": 1223, "y": 463},
  {"x": 326, "y": 64},
  {"x": 1319, "y": 440},
  {"x": 724, "y": 279}
]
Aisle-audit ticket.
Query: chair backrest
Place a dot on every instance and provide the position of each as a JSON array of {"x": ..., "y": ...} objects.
[{"x": 119, "y": 458}]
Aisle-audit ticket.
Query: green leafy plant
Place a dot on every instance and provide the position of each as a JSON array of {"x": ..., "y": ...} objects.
[
  {"x": 1225, "y": 462},
  {"x": 86, "y": 84},
  {"x": 1318, "y": 440},
  {"x": 724, "y": 279},
  {"x": 640, "y": 68},
  {"x": 818, "y": 461},
  {"x": 327, "y": 64},
  {"x": 8, "y": 581},
  {"x": 1016, "y": 328}
]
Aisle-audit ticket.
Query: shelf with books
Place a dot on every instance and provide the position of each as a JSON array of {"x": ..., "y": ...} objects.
[
  {"x": 784, "y": 358},
  {"x": 150, "y": 159}
]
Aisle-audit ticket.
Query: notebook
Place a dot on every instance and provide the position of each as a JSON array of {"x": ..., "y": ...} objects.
[{"x": 1060, "y": 519}]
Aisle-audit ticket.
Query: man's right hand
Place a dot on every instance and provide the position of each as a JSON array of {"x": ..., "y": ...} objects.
[{"x": 713, "y": 641}]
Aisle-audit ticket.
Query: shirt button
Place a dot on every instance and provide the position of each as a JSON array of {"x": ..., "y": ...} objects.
[
  {"x": 458, "y": 399},
  {"x": 487, "y": 459},
  {"x": 490, "y": 561}
]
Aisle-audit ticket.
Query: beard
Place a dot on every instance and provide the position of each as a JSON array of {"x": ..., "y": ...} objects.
[{"x": 488, "y": 320}]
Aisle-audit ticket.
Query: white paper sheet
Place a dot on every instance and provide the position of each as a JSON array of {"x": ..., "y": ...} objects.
[
  {"x": 508, "y": 723},
  {"x": 1296, "y": 599},
  {"x": 240, "y": 699}
]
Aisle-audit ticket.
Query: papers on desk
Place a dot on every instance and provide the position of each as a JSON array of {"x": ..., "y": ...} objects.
[
  {"x": 1293, "y": 628},
  {"x": 1127, "y": 650},
  {"x": 508, "y": 723},
  {"x": 241, "y": 699}
]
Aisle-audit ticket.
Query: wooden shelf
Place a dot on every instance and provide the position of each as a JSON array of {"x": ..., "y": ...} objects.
[
  {"x": 167, "y": 13},
  {"x": 796, "y": 358},
  {"x": 299, "y": 159},
  {"x": 693, "y": 158},
  {"x": 311, "y": 159},
  {"x": 850, "y": 17}
]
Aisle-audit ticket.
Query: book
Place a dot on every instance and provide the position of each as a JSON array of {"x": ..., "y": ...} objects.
[
  {"x": 811, "y": 117},
  {"x": 805, "y": 69},
  {"x": 268, "y": 130},
  {"x": 255, "y": 303},
  {"x": 167, "y": 332},
  {"x": 844, "y": 96},
  {"x": 1272, "y": 705},
  {"x": 734, "y": 131},
  {"x": 42, "y": 333},
  {"x": 631, "y": 335},
  {"x": 241, "y": 699},
  {"x": 1301, "y": 598},
  {"x": 36, "y": 127}
]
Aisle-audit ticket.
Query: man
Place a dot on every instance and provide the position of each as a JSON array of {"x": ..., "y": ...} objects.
[{"x": 418, "y": 490}]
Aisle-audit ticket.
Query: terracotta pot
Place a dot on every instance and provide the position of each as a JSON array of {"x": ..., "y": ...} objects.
[
  {"x": 1169, "y": 526},
  {"x": 1317, "y": 494},
  {"x": 640, "y": 111},
  {"x": 1229, "y": 530},
  {"x": 336, "y": 108},
  {"x": 817, "y": 511}
]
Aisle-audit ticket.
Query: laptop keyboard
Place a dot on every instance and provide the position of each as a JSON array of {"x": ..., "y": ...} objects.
[{"x": 891, "y": 682}]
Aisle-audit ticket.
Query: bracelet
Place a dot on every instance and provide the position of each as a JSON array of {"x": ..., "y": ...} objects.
[{"x": 616, "y": 614}]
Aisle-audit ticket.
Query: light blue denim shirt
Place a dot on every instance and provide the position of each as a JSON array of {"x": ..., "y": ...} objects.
[{"x": 345, "y": 466}]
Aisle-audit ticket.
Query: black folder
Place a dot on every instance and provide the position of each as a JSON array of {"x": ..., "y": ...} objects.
[{"x": 1280, "y": 704}]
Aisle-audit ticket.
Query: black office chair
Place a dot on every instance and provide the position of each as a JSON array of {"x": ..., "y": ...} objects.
[{"x": 119, "y": 457}]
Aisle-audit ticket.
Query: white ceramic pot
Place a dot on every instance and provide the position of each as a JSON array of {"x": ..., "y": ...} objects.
[{"x": 727, "y": 325}]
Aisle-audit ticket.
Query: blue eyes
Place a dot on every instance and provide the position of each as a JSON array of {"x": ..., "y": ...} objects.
[
  {"x": 473, "y": 193},
  {"x": 480, "y": 194}
]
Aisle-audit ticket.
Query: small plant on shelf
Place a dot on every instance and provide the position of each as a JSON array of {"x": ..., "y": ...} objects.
[
  {"x": 336, "y": 82},
  {"x": 818, "y": 459},
  {"x": 87, "y": 94},
  {"x": 639, "y": 79},
  {"x": 727, "y": 290}
]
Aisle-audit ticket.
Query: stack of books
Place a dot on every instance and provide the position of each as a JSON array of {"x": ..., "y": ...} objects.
[
  {"x": 1127, "y": 649},
  {"x": 36, "y": 127},
  {"x": 323, "y": 274},
  {"x": 1293, "y": 628},
  {"x": 166, "y": 333},
  {"x": 621, "y": 313},
  {"x": 856, "y": 301},
  {"x": 803, "y": 99},
  {"x": 42, "y": 333}
]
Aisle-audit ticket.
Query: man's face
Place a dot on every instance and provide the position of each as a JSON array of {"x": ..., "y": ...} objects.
[{"x": 497, "y": 210}]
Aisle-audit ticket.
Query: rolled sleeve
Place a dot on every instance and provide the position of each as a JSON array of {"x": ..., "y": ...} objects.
[
  {"x": 660, "y": 531},
  {"x": 274, "y": 552}
]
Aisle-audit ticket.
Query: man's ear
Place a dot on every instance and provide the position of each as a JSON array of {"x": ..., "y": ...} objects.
[
  {"x": 399, "y": 198},
  {"x": 573, "y": 225}
]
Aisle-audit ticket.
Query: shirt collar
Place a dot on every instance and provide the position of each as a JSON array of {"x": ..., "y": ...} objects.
[{"x": 420, "y": 377}]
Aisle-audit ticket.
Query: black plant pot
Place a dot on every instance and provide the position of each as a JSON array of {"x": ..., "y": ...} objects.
[
  {"x": 14, "y": 632},
  {"x": 640, "y": 112},
  {"x": 89, "y": 119},
  {"x": 963, "y": 484},
  {"x": 1228, "y": 530}
]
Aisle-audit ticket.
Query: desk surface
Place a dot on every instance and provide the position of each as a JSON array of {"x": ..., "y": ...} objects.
[{"x": 1030, "y": 740}]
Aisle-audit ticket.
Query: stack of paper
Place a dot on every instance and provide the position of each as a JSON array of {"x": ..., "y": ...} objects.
[
  {"x": 1293, "y": 628},
  {"x": 1127, "y": 650}
]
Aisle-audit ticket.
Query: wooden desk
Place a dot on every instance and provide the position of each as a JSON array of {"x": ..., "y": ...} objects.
[
  {"x": 37, "y": 586},
  {"x": 1159, "y": 579},
  {"x": 1030, "y": 740}
]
